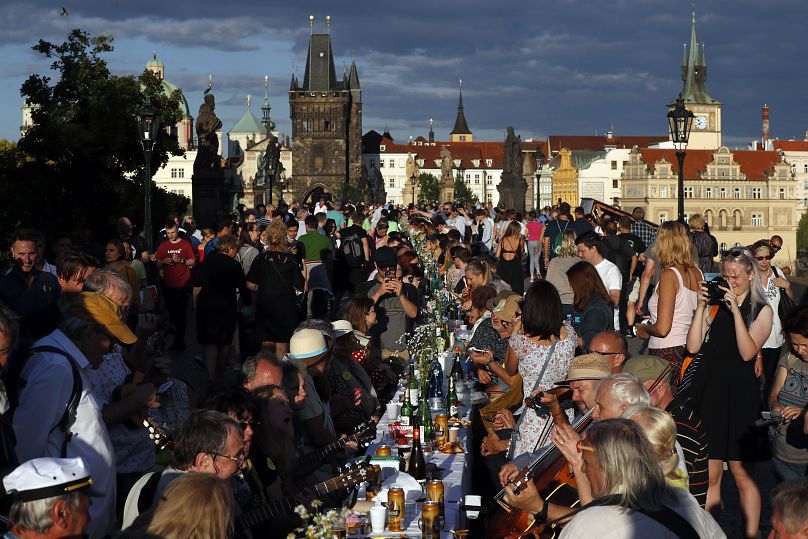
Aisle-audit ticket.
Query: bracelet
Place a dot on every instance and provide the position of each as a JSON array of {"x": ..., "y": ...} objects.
[{"x": 488, "y": 364}]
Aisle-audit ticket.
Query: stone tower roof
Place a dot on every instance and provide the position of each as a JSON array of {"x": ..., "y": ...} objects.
[
  {"x": 694, "y": 71},
  {"x": 320, "y": 75}
]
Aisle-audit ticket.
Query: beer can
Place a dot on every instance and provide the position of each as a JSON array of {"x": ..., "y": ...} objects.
[
  {"x": 395, "y": 509},
  {"x": 430, "y": 520},
  {"x": 441, "y": 430},
  {"x": 434, "y": 493}
]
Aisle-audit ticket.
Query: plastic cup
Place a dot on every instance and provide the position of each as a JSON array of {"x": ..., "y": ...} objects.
[
  {"x": 473, "y": 500},
  {"x": 393, "y": 409},
  {"x": 453, "y": 434},
  {"x": 378, "y": 514}
]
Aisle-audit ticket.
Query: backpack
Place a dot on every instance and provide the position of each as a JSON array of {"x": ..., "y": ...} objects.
[
  {"x": 558, "y": 241},
  {"x": 351, "y": 248},
  {"x": 15, "y": 383}
]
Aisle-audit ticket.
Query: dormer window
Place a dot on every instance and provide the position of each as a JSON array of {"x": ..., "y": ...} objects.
[
  {"x": 489, "y": 162},
  {"x": 382, "y": 148}
]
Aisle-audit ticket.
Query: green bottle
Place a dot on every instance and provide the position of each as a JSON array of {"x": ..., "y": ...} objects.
[
  {"x": 406, "y": 409},
  {"x": 425, "y": 417},
  {"x": 451, "y": 400}
]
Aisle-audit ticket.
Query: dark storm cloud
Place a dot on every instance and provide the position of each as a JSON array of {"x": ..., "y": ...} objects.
[{"x": 545, "y": 67}]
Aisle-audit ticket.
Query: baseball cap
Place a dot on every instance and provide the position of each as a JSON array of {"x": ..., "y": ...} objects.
[
  {"x": 41, "y": 478},
  {"x": 98, "y": 308},
  {"x": 645, "y": 367},
  {"x": 507, "y": 308},
  {"x": 587, "y": 367},
  {"x": 385, "y": 257}
]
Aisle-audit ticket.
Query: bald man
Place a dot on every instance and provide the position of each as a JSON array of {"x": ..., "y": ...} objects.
[{"x": 613, "y": 346}]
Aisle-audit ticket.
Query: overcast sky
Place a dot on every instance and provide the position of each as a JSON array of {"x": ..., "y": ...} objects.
[{"x": 546, "y": 67}]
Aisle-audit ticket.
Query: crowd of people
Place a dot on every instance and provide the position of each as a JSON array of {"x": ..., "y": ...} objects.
[{"x": 299, "y": 321}]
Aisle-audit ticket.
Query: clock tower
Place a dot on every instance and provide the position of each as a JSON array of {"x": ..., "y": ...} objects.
[{"x": 706, "y": 131}]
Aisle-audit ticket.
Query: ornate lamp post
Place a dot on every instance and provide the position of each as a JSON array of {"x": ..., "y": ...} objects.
[
  {"x": 460, "y": 174},
  {"x": 680, "y": 121},
  {"x": 148, "y": 121},
  {"x": 539, "y": 156},
  {"x": 273, "y": 156}
]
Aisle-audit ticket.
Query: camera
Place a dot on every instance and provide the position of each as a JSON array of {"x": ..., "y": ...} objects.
[{"x": 714, "y": 293}]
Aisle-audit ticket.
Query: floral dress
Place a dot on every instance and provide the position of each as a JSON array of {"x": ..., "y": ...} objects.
[{"x": 531, "y": 358}]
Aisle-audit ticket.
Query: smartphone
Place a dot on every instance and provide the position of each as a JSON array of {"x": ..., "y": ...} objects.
[
  {"x": 390, "y": 273},
  {"x": 766, "y": 415}
]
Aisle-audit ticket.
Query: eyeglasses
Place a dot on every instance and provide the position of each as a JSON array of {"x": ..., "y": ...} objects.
[
  {"x": 247, "y": 423},
  {"x": 580, "y": 447},
  {"x": 238, "y": 460},
  {"x": 776, "y": 247},
  {"x": 767, "y": 257}
]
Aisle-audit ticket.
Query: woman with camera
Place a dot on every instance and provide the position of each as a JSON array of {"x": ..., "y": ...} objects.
[
  {"x": 675, "y": 297},
  {"x": 725, "y": 389}
]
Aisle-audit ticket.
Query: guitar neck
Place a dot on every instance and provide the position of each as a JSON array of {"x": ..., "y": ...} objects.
[
  {"x": 321, "y": 454},
  {"x": 287, "y": 505}
]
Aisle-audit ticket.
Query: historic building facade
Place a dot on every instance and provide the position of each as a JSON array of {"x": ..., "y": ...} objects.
[
  {"x": 743, "y": 195},
  {"x": 326, "y": 114}
]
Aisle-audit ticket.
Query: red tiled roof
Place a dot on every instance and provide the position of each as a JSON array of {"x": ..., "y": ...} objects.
[
  {"x": 465, "y": 151},
  {"x": 754, "y": 164},
  {"x": 598, "y": 143},
  {"x": 791, "y": 145}
]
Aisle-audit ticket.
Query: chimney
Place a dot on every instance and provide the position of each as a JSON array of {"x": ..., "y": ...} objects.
[{"x": 765, "y": 127}]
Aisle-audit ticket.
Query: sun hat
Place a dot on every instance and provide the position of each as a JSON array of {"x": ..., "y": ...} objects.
[{"x": 587, "y": 367}]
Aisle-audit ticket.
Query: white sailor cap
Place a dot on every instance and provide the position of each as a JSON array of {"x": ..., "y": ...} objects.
[{"x": 43, "y": 478}]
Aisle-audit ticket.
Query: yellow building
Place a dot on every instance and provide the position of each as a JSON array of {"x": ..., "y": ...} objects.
[{"x": 565, "y": 179}]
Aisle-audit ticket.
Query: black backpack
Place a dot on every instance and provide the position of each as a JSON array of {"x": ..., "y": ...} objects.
[
  {"x": 15, "y": 384},
  {"x": 351, "y": 248}
]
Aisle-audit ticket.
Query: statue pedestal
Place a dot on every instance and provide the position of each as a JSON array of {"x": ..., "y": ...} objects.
[
  {"x": 447, "y": 190},
  {"x": 512, "y": 192},
  {"x": 410, "y": 191},
  {"x": 209, "y": 200}
]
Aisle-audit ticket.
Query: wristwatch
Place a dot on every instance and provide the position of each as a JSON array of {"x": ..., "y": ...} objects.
[{"x": 488, "y": 364}]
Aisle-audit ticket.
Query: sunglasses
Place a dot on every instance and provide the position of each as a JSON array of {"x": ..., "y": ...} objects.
[{"x": 767, "y": 257}]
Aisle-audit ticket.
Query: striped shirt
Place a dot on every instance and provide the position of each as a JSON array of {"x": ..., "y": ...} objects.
[{"x": 691, "y": 436}]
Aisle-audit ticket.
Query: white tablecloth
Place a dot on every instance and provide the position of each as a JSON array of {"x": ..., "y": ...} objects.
[{"x": 456, "y": 483}]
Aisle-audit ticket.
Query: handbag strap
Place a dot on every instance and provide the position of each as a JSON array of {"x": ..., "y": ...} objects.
[{"x": 515, "y": 433}]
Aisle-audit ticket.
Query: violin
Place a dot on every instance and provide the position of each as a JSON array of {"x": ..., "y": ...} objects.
[{"x": 552, "y": 477}]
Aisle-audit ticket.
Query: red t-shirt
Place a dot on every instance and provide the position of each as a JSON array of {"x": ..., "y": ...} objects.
[
  {"x": 534, "y": 230},
  {"x": 175, "y": 275}
]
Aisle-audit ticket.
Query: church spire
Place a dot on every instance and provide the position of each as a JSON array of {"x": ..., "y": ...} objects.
[
  {"x": 694, "y": 69},
  {"x": 461, "y": 131}
]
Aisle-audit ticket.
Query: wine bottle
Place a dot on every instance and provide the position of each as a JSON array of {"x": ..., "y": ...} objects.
[
  {"x": 416, "y": 466},
  {"x": 451, "y": 400},
  {"x": 406, "y": 408},
  {"x": 414, "y": 387},
  {"x": 457, "y": 368},
  {"x": 425, "y": 420}
]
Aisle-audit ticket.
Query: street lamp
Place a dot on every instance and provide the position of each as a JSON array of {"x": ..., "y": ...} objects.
[
  {"x": 680, "y": 121},
  {"x": 460, "y": 176},
  {"x": 539, "y": 156},
  {"x": 148, "y": 121}
]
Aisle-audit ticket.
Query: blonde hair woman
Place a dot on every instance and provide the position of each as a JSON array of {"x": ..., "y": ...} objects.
[
  {"x": 194, "y": 506},
  {"x": 276, "y": 276},
  {"x": 660, "y": 430},
  {"x": 557, "y": 270},
  {"x": 675, "y": 297}
]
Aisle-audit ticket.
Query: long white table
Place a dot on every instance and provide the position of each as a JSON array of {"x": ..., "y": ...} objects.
[{"x": 456, "y": 477}]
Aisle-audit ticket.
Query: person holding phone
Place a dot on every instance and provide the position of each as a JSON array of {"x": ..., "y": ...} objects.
[{"x": 396, "y": 304}]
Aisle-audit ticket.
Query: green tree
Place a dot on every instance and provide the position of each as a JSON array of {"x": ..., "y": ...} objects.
[
  {"x": 802, "y": 233},
  {"x": 428, "y": 188},
  {"x": 81, "y": 165},
  {"x": 463, "y": 193}
]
